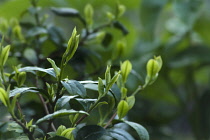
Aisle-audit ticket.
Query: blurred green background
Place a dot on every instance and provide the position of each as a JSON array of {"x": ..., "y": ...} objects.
[{"x": 176, "y": 106}]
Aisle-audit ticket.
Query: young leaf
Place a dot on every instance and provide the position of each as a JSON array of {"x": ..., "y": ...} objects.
[
  {"x": 88, "y": 11},
  {"x": 73, "y": 118},
  {"x": 4, "y": 55},
  {"x": 60, "y": 129},
  {"x": 74, "y": 88},
  {"x": 112, "y": 81},
  {"x": 66, "y": 12},
  {"x": 100, "y": 87},
  {"x": 59, "y": 113},
  {"x": 29, "y": 123},
  {"x": 13, "y": 104},
  {"x": 90, "y": 132},
  {"x": 123, "y": 92},
  {"x": 126, "y": 68},
  {"x": 21, "y": 78},
  {"x": 4, "y": 96},
  {"x": 56, "y": 69},
  {"x": 108, "y": 75},
  {"x": 72, "y": 47},
  {"x": 141, "y": 131},
  {"x": 122, "y": 109},
  {"x": 152, "y": 68},
  {"x": 131, "y": 101},
  {"x": 120, "y": 10},
  {"x": 67, "y": 133}
]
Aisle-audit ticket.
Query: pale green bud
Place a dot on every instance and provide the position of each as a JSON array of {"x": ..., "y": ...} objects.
[
  {"x": 60, "y": 129},
  {"x": 126, "y": 68},
  {"x": 72, "y": 46},
  {"x": 88, "y": 11},
  {"x": 122, "y": 109},
  {"x": 120, "y": 10},
  {"x": 153, "y": 68},
  {"x": 3, "y": 25},
  {"x": 4, "y": 97},
  {"x": 110, "y": 16},
  {"x": 4, "y": 55}
]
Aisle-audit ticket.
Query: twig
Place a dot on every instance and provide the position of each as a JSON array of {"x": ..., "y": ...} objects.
[{"x": 110, "y": 120}]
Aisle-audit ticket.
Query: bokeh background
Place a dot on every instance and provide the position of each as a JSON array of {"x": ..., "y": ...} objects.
[{"x": 176, "y": 106}]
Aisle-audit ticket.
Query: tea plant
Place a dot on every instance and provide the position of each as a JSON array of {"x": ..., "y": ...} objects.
[{"x": 68, "y": 104}]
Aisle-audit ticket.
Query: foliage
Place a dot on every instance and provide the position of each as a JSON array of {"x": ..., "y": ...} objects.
[{"x": 51, "y": 88}]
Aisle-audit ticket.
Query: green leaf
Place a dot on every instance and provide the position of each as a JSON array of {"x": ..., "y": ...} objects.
[
  {"x": 126, "y": 68},
  {"x": 120, "y": 10},
  {"x": 100, "y": 87},
  {"x": 13, "y": 104},
  {"x": 88, "y": 11},
  {"x": 21, "y": 78},
  {"x": 112, "y": 81},
  {"x": 4, "y": 55},
  {"x": 74, "y": 88},
  {"x": 81, "y": 104},
  {"x": 63, "y": 101},
  {"x": 141, "y": 131},
  {"x": 122, "y": 109},
  {"x": 115, "y": 92},
  {"x": 33, "y": 70},
  {"x": 36, "y": 31},
  {"x": 119, "y": 134},
  {"x": 108, "y": 75},
  {"x": 121, "y": 27},
  {"x": 60, "y": 129},
  {"x": 3, "y": 96},
  {"x": 22, "y": 90},
  {"x": 59, "y": 113},
  {"x": 152, "y": 68},
  {"x": 72, "y": 47},
  {"x": 56, "y": 35},
  {"x": 90, "y": 132},
  {"x": 30, "y": 55},
  {"x": 107, "y": 39},
  {"x": 65, "y": 12},
  {"x": 56, "y": 69},
  {"x": 68, "y": 133},
  {"x": 131, "y": 101}
]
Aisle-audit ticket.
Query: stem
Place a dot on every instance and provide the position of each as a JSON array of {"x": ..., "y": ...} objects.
[
  {"x": 110, "y": 120},
  {"x": 44, "y": 104},
  {"x": 137, "y": 90},
  {"x": 26, "y": 130}
]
